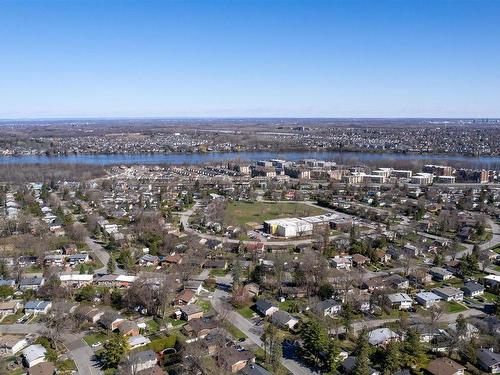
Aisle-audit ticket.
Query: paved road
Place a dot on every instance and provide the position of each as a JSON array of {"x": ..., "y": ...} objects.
[
  {"x": 78, "y": 350},
  {"x": 103, "y": 256},
  {"x": 82, "y": 354},
  {"x": 248, "y": 328},
  {"x": 21, "y": 329}
]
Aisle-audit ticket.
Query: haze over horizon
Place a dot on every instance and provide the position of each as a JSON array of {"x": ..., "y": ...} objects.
[{"x": 249, "y": 59}]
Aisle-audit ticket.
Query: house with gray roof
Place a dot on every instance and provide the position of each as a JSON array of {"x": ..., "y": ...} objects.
[
  {"x": 265, "y": 307},
  {"x": 284, "y": 319},
  {"x": 488, "y": 360}
]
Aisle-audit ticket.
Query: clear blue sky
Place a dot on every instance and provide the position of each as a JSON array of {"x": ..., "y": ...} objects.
[{"x": 251, "y": 58}]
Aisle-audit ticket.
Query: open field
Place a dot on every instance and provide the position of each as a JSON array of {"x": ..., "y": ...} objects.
[{"x": 241, "y": 213}]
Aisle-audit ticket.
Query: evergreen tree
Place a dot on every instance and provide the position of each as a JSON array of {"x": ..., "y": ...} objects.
[
  {"x": 392, "y": 358},
  {"x": 114, "y": 350},
  {"x": 315, "y": 340},
  {"x": 276, "y": 355},
  {"x": 413, "y": 353},
  {"x": 362, "y": 353},
  {"x": 332, "y": 356},
  {"x": 111, "y": 265}
]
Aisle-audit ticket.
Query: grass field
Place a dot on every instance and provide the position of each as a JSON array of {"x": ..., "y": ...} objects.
[
  {"x": 206, "y": 306},
  {"x": 246, "y": 312},
  {"x": 241, "y": 213},
  {"x": 93, "y": 338},
  {"x": 453, "y": 307}
]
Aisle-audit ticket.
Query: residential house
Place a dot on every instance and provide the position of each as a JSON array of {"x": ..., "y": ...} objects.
[
  {"x": 254, "y": 369},
  {"x": 473, "y": 289},
  {"x": 185, "y": 297},
  {"x": 375, "y": 283},
  {"x": 141, "y": 361},
  {"x": 449, "y": 293},
  {"x": 265, "y": 307},
  {"x": 382, "y": 256},
  {"x": 148, "y": 260},
  {"x": 111, "y": 320},
  {"x": 69, "y": 249},
  {"x": 398, "y": 282},
  {"x": 341, "y": 263},
  {"x": 440, "y": 274},
  {"x": 11, "y": 344},
  {"x": 194, "y": 285},
  {"x": 31, "y": 283},
  {"x": 54, "y": 260},
  {"x": 492, "y": 281},
  {"x": 400, "y": 301},
  {"x": 216, "y": 264},
  {"x": 189, "y": 312},
  {"x": 37, "y": 307},
  {"x": 76, "y": 259},
  {"x": 234, "y": 360},
  {"x": 173, "y": 259},
  {"x": 445, "y": 366},
  {"x": 199, "y": 328},
  {"x": 76, "y": 280},
  {"x": 128, "y": 328},
  {"x": 382, "y": 336},
  {"x": 359, "y": 260},
  {"x": 9, "y": 282},
  {"x": 88, "y": 313},
  {"x": 284, "y": 320},
  {"x": 9, "y": 307},
  {"x": 488, "y": 360},
  {"x": 419, "y": 277},
  {"x": 116, "y": 281},
  {"x": 34, "y": 354},
  {"x": 427, "y": 299},
  {"x": 252, "y": 289},
  {"x": 137, "y": 341},
  {"x": 329, "y": 307},
  {"x": 470, "y": 331}
]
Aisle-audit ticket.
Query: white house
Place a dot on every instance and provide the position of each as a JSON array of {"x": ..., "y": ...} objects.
[
  {"x": 401, "y": 301},
  {"x": 34, "y": 354},
  {"x": 265, "y": 307},
  {"x": 37, "y": 307},
  {"x": 427, "y": 299}
]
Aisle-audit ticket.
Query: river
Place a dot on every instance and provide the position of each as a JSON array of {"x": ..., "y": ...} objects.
[{"x": 382, "y": 159}]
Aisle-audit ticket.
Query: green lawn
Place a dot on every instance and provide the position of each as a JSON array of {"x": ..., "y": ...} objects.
[
  {"x": 10, "y": 319},
  {"x": 175, "y": 322},
  {"x": 65, "y": 367},
  {"x": 287, "y": 304},
  {"x": 246, "y": 312},
  {"x": 490, "y": 296},
  {"x": 453, "y": 307},
  {"x": 241, "y": 213},
  {"x": 215, "y": 273},
  {"x": 153, "y": 325},
  {"x": 92, "y": 338},
  {"x": 205, "y": 305}
]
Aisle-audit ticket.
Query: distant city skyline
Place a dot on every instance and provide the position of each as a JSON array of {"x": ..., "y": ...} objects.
[{"x": 249, "y": 59}]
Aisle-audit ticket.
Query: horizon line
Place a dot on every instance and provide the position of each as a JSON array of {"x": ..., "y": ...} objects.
[{"x": 86, "y": 118}]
